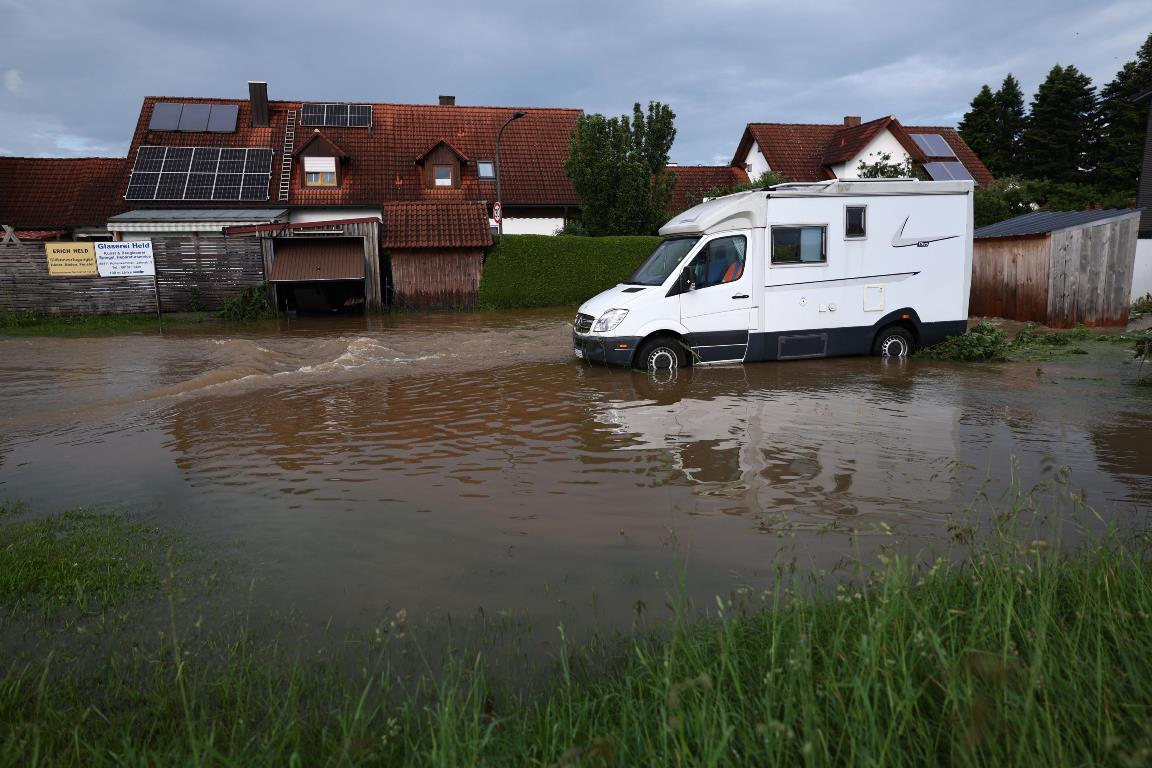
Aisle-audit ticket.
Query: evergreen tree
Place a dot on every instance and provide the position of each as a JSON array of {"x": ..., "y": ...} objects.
[
  {"x": 979, "y": 124},
  {"x": 1004, "y": 155},
  {"x": 618, "y": 166},
  {"x": 1058, "y": 138},
  {"x": 1123, "y": 124}
]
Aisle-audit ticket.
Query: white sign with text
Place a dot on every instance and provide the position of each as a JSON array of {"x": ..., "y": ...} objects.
[{"x": 125, "y": 259}]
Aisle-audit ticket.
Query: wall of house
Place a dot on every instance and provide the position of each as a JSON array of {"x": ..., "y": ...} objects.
[
  {"x": 1010, "y": 278},
  {"x": 1090, "y": 277},
  {"x": 308, "y": 215},
  {"x": 530, "y": 226},
  {"x": 432, "y": 277},
  {"x": 756, "y": 162},
  {"x": 883, "y": 142},
  {"x": 1142, "y": 269}
]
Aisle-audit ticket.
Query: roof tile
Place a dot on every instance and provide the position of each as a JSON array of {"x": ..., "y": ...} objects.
[
  {"x": 695, "y": 181},
  {"x": 436, "y": 225},
  {"x": 53, "y": 193}
]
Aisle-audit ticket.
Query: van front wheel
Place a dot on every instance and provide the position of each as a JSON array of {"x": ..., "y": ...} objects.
[
  {"x": 893, "y": 342},
  {"x": 661, "y": 353}
]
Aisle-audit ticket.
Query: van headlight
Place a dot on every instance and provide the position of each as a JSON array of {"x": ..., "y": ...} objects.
[{"x": 609, "y": 320}]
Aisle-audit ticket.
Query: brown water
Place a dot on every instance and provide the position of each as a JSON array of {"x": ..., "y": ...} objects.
[{"x": 453, "y": 464}]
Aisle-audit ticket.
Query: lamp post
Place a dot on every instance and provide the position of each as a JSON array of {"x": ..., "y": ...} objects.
[{"x": 496, "y": 167}]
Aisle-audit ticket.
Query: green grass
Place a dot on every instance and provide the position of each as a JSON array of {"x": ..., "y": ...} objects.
[
  {"x": 1020, "y": 655},
  {"x": 81, "y": 560},
  {"x": 986, "y": 342},
  {"x": 547, "y": 271},
  {"x": 42, "y": 324}
]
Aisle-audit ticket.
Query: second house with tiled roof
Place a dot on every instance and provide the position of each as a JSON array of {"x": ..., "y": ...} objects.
[
  {"x": 815, "y": 152},
  {"x": 314, "y": 180}
]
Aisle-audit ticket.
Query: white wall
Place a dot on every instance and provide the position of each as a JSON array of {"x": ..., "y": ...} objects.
[
  {"x": 756, "y": 162},
  {"x": 525, "y": 226},
  {"x": 1142, "y": 271},
  {"x": 308, "y": 215},
  {"x": 883, "y": 142}
]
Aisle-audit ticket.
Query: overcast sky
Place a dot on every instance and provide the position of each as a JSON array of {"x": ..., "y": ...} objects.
[{"x": 74, "y": 72}]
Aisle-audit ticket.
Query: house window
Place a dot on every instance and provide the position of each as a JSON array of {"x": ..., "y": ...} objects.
[
  {"x": 854, "y": 222},
  {"x": 319, "y": 171},
  {"x": 442, "y": 175},
  {"x": 486, "y": 170},
  {"x": 799, "y": 245}
]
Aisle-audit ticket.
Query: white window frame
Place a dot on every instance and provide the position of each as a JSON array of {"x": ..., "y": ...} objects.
[{"x": 480, "y": 175}]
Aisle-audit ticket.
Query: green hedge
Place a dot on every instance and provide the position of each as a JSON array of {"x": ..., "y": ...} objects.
[{"x": 557, "y": 271}]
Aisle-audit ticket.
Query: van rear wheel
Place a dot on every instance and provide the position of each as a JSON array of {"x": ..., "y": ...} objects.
[
  {"x": 661, "y": 353},
  {"x": 894, "y": 342}
]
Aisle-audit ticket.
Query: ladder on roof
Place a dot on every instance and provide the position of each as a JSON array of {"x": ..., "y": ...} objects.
[{"x": 286, "y": 158}]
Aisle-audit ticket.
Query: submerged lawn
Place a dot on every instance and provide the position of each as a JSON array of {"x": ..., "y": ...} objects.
[{"x": 1019, "y": 656}]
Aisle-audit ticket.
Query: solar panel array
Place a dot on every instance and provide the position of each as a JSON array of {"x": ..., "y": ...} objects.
[
  {"x": 933, "y": 145},
  {"x": 948, "y": 172},
  {"x": 213, "y": 118},
  {"x": 336, "y": 115},
  {"x": 200, "y": 173}
]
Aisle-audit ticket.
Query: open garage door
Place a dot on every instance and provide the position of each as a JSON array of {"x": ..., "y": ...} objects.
[{"x": 319, "y": 276}]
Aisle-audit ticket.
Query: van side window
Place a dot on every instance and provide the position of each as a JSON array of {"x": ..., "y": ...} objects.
[
  {"x": 719, "y": 261},
  {"x": 854, "y": 222},
  {"x": 799, "y": 245}
]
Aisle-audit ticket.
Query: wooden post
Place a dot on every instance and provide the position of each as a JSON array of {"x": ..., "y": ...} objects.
[{"x": 373, "y": 298}]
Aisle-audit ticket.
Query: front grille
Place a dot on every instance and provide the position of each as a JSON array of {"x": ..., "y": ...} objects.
[{"x": 583, "y": 323}]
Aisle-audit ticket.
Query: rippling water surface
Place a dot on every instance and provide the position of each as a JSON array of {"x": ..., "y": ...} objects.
[{"x": 449, "y": 464}]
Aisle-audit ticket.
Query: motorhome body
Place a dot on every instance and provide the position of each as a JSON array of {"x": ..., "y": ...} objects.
[{"x": 793, "y": 271}]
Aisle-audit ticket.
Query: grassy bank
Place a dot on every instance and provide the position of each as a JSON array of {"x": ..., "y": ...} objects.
[
  {"x": 42, "y": 324},
  {"x": 987, "y": 342},
  {"x": 1019, "y": 656},
  {"x": 546, "y": 271}
]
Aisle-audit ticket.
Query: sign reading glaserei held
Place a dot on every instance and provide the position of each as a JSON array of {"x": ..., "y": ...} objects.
[{"x": 125, "y": 259}]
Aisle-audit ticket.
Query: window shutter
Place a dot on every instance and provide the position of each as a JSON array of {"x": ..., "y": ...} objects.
[{"x": 320, "y": 165}]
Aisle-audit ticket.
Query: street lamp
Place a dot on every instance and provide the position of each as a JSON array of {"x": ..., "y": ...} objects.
[{"x": 496, "y": 167}]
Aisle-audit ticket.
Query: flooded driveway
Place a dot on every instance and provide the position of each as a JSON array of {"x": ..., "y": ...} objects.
[{"x": 453, "y": 464}]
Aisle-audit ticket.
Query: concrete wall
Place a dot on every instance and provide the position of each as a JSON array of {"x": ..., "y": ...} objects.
[{"x": 1142, "y": 272}]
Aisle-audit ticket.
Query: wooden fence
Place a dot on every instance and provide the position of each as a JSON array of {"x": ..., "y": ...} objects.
[{"x": 193, "y": 273}]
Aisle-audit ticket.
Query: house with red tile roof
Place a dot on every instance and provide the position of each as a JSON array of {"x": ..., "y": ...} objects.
[
  {"x": 60, "y": 198},
  {"x": 814, "y": 152},
  {"x": 695, "y": 182},
  {"x": 222, "y": 166}
]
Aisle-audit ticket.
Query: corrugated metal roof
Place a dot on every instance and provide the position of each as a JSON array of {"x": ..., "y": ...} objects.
[
  {"x": 1042, "y": 222},
  {"x": 323, "y": 259},
  {"x": 203, "y": 214}
]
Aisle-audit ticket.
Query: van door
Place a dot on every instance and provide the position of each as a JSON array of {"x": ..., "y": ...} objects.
[{"x": 718, "y": 312}]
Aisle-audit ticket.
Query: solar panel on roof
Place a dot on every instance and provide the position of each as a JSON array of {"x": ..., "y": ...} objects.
[
  {"x": 948, "y": 172},
  {"x": 200, "y": 173},
  {"x": 165, "y": 116},
  {"x": 336, "y": 115},
  {"x": 223, "y": 118},
  {"x": 933, "y": 145},
  {"x": 194, "y": 117}
]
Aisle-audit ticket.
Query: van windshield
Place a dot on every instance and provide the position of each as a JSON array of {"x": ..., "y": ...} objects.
[{"x": 662, "y": 262}]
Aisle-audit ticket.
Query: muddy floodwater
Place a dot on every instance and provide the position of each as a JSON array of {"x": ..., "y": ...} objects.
[{"x": 451, "y": 465}]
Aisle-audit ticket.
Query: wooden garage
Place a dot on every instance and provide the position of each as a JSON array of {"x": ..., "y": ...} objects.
[
  {"x": 1059, "y": 269},
  {"x": 436, "y": 252}
]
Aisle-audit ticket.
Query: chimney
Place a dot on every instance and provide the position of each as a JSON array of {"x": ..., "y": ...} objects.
[
  {"x": 447, "y": 101},
  {"x": 851, "y": 120},
  {"x": 258, "y": 99}
]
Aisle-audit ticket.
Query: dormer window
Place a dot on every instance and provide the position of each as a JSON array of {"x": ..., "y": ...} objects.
[
  {"x": 442, "y": 175},
  {"x": 319, "y": 171},
  {"x": 485, "y": 170},
  {"x": 442, "y": 165}
]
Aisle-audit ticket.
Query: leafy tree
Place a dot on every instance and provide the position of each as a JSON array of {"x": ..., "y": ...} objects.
[
  {"x": 1013, "y": 196},
  {"x": 884, "y": 167},
  {"x": 1057, "y": 141},
  {"x": 618, "y": 166},
  {"x": 1004, "y": 155},
  {"x": 979, "y": 125},
  {"x": 1123, "y": 123}
]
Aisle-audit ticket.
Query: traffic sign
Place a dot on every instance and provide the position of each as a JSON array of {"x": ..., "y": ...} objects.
[{"x": 497, "y": 212}]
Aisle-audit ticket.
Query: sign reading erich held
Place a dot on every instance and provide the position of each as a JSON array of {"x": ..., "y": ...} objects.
[
  {"x": 125, "y": 258},
  {"x": 71, "y": 259}
]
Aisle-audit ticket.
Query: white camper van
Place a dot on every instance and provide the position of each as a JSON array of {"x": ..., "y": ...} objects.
[{"x": 846, "y": 267}]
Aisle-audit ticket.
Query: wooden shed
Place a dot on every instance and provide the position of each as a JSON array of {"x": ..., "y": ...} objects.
[
  {"x": 436, "y": 252},
  {"x": 1056, "y": 268}
]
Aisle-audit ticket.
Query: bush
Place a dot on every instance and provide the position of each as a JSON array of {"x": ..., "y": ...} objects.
[
  {"x": 983, "y": 341},
  {"x": 251, "y": 304},
  {"x": 557, "y": 271},
  {"x": 1142, "y": 306},
  {"x": 1011, "y": 197}
]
